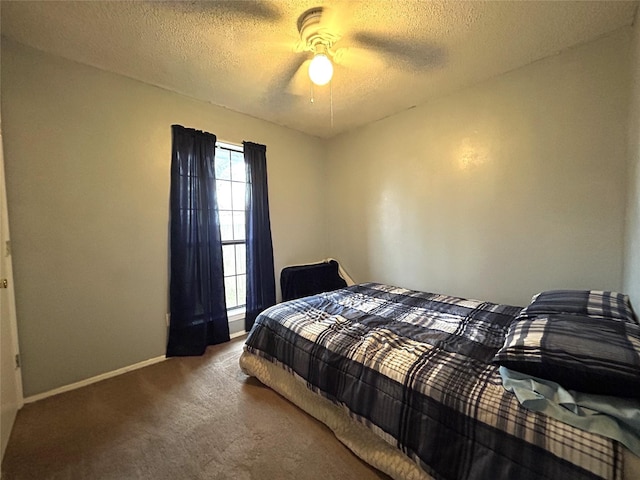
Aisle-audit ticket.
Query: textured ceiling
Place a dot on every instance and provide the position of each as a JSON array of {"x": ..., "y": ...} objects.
[{"x": 241, "y": 54}]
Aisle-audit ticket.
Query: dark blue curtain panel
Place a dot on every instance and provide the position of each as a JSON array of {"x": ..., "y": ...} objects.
[
  {"x": 261, "y": 283},
  {"x": 196, "y": 290}
]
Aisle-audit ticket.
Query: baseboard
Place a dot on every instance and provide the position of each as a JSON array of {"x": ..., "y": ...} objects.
[
  {"x": 97, "y": 378},
  {"x": 104, "y": 376}
]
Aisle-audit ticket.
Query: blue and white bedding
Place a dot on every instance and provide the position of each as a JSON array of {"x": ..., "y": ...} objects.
[{"x": 416, "y": 368}]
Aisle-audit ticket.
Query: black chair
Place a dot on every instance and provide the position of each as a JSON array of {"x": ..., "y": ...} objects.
[{"x": 304, "y": 280}]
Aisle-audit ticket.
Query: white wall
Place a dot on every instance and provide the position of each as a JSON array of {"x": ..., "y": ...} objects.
[
  {"x": 88, "y": 161},
  {"x": 632, "y": 251},
  {"x": 507, "y": 188}
]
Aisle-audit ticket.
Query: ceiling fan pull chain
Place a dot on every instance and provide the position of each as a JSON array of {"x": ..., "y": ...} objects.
[
  {"x": 331, "y": 100},
  {"x": 311, "y": 91}
]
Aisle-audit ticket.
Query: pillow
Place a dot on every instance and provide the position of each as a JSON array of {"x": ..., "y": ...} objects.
[
  {"x": 592, "y": 355},
  {"x": 593, "y": 303}
]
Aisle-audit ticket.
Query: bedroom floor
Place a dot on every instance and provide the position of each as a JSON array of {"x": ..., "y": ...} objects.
[{"x": 185, "y": 418}]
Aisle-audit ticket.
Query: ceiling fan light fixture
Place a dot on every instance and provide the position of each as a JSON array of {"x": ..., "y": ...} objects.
[{"x": 320, "y": 69}]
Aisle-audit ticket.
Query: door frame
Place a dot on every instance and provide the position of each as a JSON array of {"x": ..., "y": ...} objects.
[{"x": 8, "y": 294}]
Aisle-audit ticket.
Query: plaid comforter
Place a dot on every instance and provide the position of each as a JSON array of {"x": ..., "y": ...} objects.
[{"x": 415, "y": 368}]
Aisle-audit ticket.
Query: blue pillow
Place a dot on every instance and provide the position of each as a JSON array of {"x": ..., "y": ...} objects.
[
  {"x": 592, "y": 303},
  {"x": 587, "y": 354}
]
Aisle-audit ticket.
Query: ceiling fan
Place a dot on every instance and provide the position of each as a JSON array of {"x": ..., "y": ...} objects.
[
  {"x": 326, "y": 43},
  {"x": 320, "y": 32},
  {"x": 317, "y": 38}
]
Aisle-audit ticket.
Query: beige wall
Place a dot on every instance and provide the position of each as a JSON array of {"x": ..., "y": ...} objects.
[
  {"x": 632, "y": 251},
  {"x": 87, "y": 157},
  {"x": 496, "y": 192}
]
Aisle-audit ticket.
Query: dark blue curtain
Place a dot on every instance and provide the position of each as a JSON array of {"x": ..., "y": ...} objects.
[
  {"x": 196, "y": 290},
  {"x": 261, "y": 284}
]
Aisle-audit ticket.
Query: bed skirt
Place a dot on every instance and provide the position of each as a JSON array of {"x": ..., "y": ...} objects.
[{"x": 358, "y": 438}]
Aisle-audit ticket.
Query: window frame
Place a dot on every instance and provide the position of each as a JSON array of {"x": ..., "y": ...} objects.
[{"x": 236, "y": 312}]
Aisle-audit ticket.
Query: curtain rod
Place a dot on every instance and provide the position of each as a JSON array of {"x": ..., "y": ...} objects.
[{"x": 229, "y": 145}]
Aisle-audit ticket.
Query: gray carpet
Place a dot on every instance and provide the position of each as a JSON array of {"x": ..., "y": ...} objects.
[{"x": 184, "y": 418}]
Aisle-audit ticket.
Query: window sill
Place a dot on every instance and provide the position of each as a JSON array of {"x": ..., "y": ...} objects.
[
  {"x": 234, "y": 314},
  {"x": 236, "y": 321}
]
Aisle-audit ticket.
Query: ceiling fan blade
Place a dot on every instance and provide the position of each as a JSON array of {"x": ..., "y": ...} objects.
[
  {"x": 358, "y": 58},
  {"x": 245, "y": 8},
  {"x": 418, "y": 55},
  {"x": 300, "y": 83},
  {"x": 248, "y": 8},
  {"x": 281, "y": 46},
  {"x": 280, "y": 94}
]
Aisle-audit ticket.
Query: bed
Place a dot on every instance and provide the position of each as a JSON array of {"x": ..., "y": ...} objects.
[{"x": 409, "y": 381}]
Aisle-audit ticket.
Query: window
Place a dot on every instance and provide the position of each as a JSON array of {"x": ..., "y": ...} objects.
[{"x": 230, "y": 188}]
